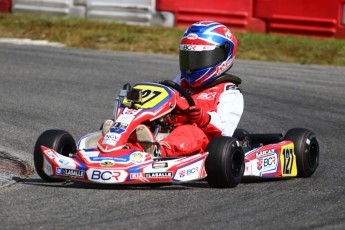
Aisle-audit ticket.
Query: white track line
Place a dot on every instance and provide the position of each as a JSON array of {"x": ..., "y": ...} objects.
[{"x": 25, "y": 41}]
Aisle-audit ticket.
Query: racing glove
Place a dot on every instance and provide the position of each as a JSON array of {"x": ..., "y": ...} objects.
[{"x": 196, "y": 115}]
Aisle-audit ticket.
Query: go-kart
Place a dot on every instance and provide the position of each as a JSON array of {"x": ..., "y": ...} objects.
[{"x": 108, "y": 158}]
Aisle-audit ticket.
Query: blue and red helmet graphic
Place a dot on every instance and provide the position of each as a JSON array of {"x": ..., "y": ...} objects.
[{"x": 207, "y": 50}]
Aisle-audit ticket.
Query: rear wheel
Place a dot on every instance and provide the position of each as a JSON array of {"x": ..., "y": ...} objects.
[
  {"x": 225, "y": 162},
  {"x": 59, "y": 140},
  {"x": 306, "y": 150}
]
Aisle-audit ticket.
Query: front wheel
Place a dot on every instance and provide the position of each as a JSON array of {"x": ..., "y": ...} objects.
[
  {"x": 306, "y": 150},
  {"x": 59, "y": 140},
  {"x": 225, "y": 162}
]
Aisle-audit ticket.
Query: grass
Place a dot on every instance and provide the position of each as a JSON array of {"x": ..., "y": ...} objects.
[{"x": 153, "y": 39}]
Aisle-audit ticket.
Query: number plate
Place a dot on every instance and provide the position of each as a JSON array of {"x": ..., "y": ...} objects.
[
  {"x": 288, "y": 160},
  {"x": 152, "y": 95}
]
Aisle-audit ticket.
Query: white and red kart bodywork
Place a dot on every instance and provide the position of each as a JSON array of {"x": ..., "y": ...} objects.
[
  {"x": 131, "y": 167},
  {"x": 110, "y": 162},
  {"x": 270, "y": 161}
]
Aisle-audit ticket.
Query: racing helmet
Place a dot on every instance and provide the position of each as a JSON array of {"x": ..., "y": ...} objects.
[{"x": 207, "y": 50}]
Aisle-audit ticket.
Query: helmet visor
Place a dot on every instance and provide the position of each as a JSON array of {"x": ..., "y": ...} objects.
[{"x": 197, "y": 60}]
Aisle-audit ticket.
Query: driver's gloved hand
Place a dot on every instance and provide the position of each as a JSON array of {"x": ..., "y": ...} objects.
[{"x": 196, "y": 115}]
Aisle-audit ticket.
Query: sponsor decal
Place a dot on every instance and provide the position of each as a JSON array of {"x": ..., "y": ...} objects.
[
  {"x": 89, "y": 153},
  {"x": 111, "y": 139},
  {"x": 221, "y": 68},
  {"x": 109, "y": 142},
  {"x": 112, "y": 136},
  {"x": 259, "y": 164},
  {"x": 50, "y": 154},
  {"x": 158, "y": 175},
  {"x": 207, "y": 96},
  {"x": 159, "y": 165},
  {"x": 230, "y": 87},
  {"x": 189, "y": 47},
  {"x": 206, "y": 22},
  {"x": 188, "y": 172},
  {"x": 192, "y": 36},
  {"x": 265, "y": 153},
  {"x": 64, "y": 161},
  {"x": 133, "y": 176},
  {"x": 123, "y": 118},
  {"x": 70, "y": 172},
  {"x": 267, "y": 161},
  {"x": 129, "y": 111},
  {"x": 107, "y": 176},
  {"x": 107, "y": 163},
  {"x": 228, "y": 33},
  {"x": 47, "y": 167},
  {"x": 137, "y": 157},
  {"x": 116, "y": 159}
]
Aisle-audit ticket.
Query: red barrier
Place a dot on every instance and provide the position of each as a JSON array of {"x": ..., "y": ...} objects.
[
  {"x": 5, "y": 6},
  {"x": 233, "y": 13},
  {"x": 324, "y": 18}
]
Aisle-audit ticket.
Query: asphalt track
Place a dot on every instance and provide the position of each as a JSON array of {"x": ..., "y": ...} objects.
[{"x": 73, "y": 89}]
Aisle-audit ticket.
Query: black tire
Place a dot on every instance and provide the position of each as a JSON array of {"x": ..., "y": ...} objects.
[
  {"x": 225, "y": 162},
  {"x": 59, "y": 140},
  {"x": 306, "y": 150}
]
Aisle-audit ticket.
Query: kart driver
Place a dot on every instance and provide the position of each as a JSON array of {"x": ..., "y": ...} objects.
[{"x": 206, "y": 51}]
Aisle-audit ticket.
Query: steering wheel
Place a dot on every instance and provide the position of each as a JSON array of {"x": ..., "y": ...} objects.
[{"x": 180, "y": 89}]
